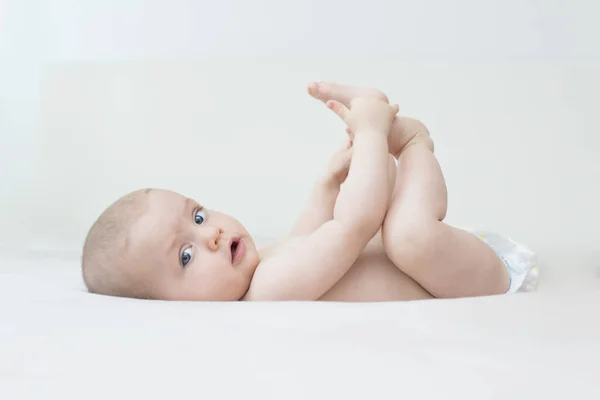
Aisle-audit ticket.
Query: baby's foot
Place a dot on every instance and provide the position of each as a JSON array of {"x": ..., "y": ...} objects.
[
  {"x": 404, "y": 130},
  {"x": 325, "y": 91}
]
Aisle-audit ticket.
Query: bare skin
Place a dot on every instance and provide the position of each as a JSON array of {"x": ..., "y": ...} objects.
[
  {"x": 374, "y": 277},
  {"x": 340, "y": 220},
  {"x": 445, "y": 261},
  {"x": 183, "y": 251},
  {"x": 371, "y": 231}
]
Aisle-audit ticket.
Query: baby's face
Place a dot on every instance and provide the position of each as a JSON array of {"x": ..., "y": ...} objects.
[{"x": 186, "y": 252}]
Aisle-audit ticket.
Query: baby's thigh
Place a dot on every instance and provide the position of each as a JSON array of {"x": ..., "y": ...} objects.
[{"x": 446, "y": 261}]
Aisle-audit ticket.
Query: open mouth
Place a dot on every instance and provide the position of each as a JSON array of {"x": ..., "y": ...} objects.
[{"x": 234, "y": 247}]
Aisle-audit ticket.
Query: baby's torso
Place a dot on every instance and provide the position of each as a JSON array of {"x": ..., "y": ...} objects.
[{"x": 373, "y": 277}]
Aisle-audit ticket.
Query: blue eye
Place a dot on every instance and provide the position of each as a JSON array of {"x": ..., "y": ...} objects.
[
  {"x": 186, "y": 256},
  {"x": 199, "y": 216}
]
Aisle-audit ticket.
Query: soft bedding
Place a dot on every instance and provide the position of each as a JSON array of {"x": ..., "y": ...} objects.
[{"x": 58, "y": 341}]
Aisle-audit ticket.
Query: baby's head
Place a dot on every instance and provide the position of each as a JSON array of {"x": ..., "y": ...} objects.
[{"x": 157, "y": 244}]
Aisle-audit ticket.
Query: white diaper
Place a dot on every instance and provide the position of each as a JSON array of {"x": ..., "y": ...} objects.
[{"x": 520, "y": 261}]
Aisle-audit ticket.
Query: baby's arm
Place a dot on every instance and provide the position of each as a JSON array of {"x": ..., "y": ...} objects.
[
  {"x": 319, "y": 208},
  {"x": 308, "y": 267}
]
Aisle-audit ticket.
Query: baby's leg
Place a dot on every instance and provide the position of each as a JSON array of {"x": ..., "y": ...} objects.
[{"x": 446, "y": 261}]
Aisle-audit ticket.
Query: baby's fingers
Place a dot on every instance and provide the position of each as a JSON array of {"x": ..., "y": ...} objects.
[
  {"x": 338, "y": 108},
  {"x": 347, "y": 156},
  {"x": 347, "y": 143},
  {"x": 343, "y": 153},
  {"x": 340, "y": 164}
]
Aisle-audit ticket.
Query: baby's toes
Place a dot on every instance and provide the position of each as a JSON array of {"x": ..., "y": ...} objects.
[{"x": 326, "y": 91}]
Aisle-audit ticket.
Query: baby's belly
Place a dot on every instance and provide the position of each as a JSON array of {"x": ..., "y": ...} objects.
[{"x": 373, "y": 277}]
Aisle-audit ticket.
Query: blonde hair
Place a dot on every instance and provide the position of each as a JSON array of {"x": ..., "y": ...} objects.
[{"x": 104, "y": 266}]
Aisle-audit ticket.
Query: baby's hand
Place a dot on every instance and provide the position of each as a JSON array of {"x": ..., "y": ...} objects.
[
  {"x": 366, "y": 115},
  {"x": 339, "y": 165}
]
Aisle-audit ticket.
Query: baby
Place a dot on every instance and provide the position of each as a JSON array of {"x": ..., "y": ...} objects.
[{"x": 371, "y": 231}]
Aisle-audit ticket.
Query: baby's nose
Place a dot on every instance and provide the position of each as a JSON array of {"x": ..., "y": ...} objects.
[{"x": 212, "y": 235}]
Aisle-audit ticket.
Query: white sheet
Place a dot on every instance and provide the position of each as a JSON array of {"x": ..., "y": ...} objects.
[{"x": 57, "y": 341}]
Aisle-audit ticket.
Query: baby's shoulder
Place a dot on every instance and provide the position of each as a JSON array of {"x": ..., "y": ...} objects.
[
  {"x": 275, "y": 247},
  {"x": 304, "y": 267}
]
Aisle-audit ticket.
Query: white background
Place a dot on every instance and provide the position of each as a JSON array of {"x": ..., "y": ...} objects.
[{"x": 98, "y": 98}]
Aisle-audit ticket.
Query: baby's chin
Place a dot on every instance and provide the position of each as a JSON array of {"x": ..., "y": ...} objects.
[
  {"x": 233, "y": 292},
  {"x": 253, "y": 254}
]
